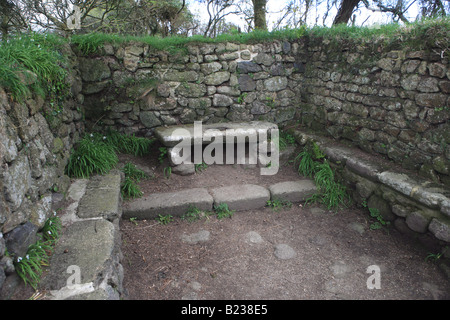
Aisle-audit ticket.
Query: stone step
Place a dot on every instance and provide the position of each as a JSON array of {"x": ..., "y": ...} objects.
[
  {"x": 241, "y": 197},
  {"x": 85, "y": 264},
  {"x": 237, "y": 197},
  {"x": 293, "y": 191},
  {"x": 173, "y": 203}
]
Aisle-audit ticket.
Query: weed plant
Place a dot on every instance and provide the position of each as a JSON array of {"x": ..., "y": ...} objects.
[
  {"x": 312, "y": 163},
  {"x": 133, "y": 175},
  {"x": 380, "y": 222},
  {"x": 93, "y": 156},
  {"x": 51, "y": 229},
  {"x": 127, "y": 144},
  {"x": 130, "y": 189},
  {"x": 278, "y": 204},
  {"x": 285, "y": 139},
  {"x": 164, "y": 219},
  {"x": 222, "y": 211},
  {"x": 31, "y": 267},
  {"x": 194, "y": 214}
]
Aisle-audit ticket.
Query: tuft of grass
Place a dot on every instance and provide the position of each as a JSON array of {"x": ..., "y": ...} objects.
[
  {"x": 133, "y": 175},
  {"x": 312, "y": 163},
  {"x": 93, "y": 43},
  {"x": 52, "y": 228},
  {"x": 285, "y": 139},
  {"x": 92, "y": 156},
  {"x": 97, "y": 153},
  {"x": 33, "y": 62},
  {"x": 127, "y": 144},
  {"x": 130, "y": 170},
  {"x": 30, "y": 267},
  {"x": 306, "y": 163}
]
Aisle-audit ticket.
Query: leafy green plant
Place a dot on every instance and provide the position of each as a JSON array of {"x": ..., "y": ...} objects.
[
  {"x": 242, "y": 97},
  {"x": 164, "y": 219},
  {"x": 380, "y": 223},
  {"x": 312, "y": 163},
  {"x": 278, "y": 204},
  {"x": 130, "y": 189},
  {"x": 130, "y": 170},
  {"x": 133, "y": 220},
  {"x": 332, "y": 194},
  {"x": 222, "y": 211},
  {"x": 92, "y": 156},
  {"x": 162, "y": 154},
  {"x": 200, "y": 167},
  {"x": 194, "y": 214},
  {"x": 284, "y": 140}
]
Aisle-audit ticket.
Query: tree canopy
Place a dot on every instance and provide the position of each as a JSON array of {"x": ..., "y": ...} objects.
[{"x": 175, "y": 17}]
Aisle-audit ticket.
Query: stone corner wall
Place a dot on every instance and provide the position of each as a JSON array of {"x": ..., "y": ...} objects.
[
  {"x": 389, "y": 101},
  {"x": 134, "y": 88},
  {"x": 35, "y": 146},
  {"x": 393, "y": 102}
]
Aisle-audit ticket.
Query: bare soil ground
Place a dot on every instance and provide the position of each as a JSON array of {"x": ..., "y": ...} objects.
[
  {"x": 329, "y": 257},
  {"x": 238, "y": 260}
]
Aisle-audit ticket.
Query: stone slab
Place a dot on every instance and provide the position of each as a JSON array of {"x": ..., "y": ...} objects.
[
  {"x": 102, "y": 198},
  {"x": 89, "y": 247},
  {"x": 170, "y": 136},
  {"x": 293, "y": 191},
  {"x": 241, "y": 197},
  {"x": 170, "y": 203}
]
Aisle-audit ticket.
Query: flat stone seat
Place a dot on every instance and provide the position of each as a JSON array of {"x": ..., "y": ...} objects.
[
  {"x": 170, "y": 136},
  {"x": 241, "y": 197},
  {"x": 170, "y": 203},
  {"x": 293, "y": 191}
]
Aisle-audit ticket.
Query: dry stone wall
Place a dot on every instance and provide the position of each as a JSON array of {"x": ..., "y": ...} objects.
[
  {"x": 136, "y": 89},
  {"x": 389, "y": 101},
  {"x": 35, "y": 145},
  {"x": 392, "y": 102}
]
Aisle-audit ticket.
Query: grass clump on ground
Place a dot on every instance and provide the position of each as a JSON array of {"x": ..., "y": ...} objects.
[
  {"x": 97, "y": 153},
  {"x": 133, "y": 175},
  {"x": 312, "y": 163}
]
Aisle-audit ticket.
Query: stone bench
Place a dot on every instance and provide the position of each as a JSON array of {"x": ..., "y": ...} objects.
[
  {"x": 411, "y": 202},
  {"x": 198, "y": 135}
]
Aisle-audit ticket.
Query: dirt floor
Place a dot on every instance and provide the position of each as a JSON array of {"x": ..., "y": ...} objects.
[
  {"x": 293, "y": 253},
  {"x": 326, "y": 254}
]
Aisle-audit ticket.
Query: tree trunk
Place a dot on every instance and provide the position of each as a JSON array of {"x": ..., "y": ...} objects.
[
  {"x": 259, "y": 12},
  {"x": 345, "y": 11}
]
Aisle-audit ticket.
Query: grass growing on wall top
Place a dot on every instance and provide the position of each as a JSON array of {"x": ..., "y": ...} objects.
[
  {"x": 91, "y": 43},
  {"x": 32, "y": 62},
  {"x": 430, "y": 33},
  {"x": 420, "y": 35}
]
